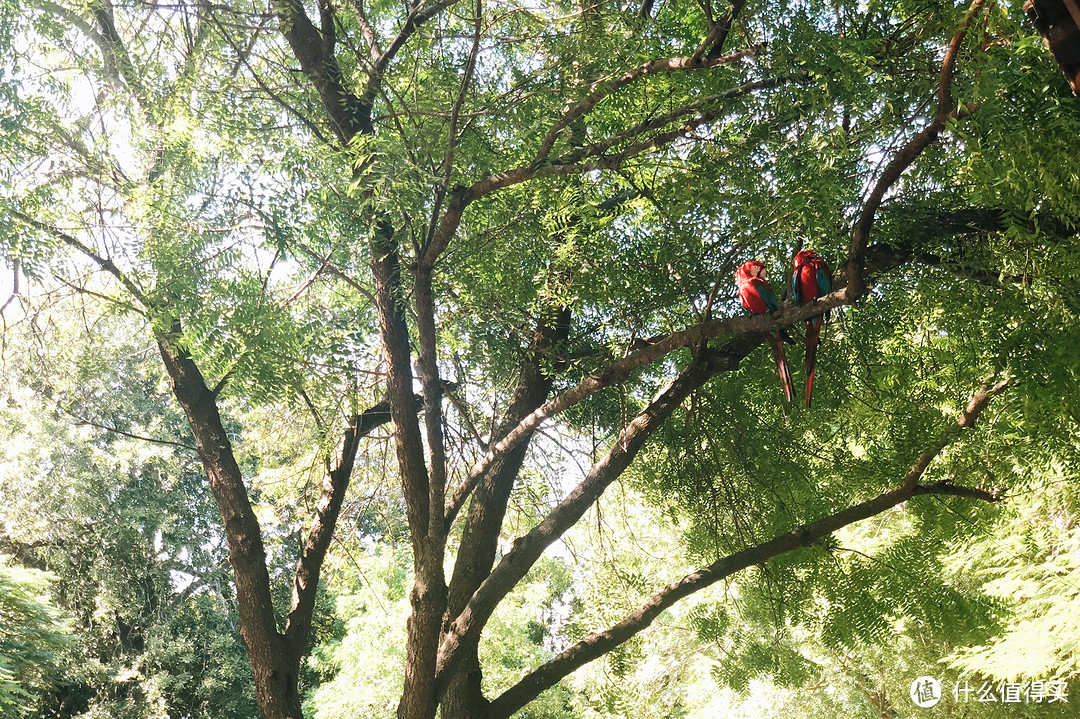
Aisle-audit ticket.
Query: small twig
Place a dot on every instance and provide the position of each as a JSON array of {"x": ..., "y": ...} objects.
[{"x": 88, "y": 423}]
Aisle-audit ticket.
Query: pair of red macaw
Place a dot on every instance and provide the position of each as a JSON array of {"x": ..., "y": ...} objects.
[{"x": 811, "y": 280}]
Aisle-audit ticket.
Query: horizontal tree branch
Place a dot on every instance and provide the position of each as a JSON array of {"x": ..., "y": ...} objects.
[{"x": 879, "y": 259}]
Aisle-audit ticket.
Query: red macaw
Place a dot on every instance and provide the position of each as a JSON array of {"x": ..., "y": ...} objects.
[
  {"x": 757, "y": 296},
  {"x": 812, "y": 279}
]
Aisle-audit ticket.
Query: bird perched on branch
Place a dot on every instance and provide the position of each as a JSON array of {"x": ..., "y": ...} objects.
[
  {"x": 812, "y": 279},
  {"x": 757, "y": 296}
]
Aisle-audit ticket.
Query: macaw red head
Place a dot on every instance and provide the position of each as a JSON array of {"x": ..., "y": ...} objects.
[
  {"x": 804, "y": 256},
  {"x": 750, "y": 269}
]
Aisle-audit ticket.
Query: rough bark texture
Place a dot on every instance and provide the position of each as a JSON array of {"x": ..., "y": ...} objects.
[
  {"x": 428, "y": 596},
  {"x": 275, "y": 656},
  {"x": 274, "y": 666},
  {"x": 463, "y": 696},
  {"x": 464, "y": 630}
]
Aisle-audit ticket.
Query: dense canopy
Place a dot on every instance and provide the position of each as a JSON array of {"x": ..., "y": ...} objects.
[{"x": 385, "y": 357}]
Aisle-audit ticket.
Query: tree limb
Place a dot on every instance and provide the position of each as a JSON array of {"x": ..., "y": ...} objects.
[
  {"x": 275, "y": 668},
  {"x": 714, "y": 42},
  {"x": 114, "y": 430},
  {"x": 618, "y": 371},
  {"x": 606, "y": 88},
  {"x": 597, "y": 644},
  {"x": 367, "y": 30},
  {"x": 417, "y": 16},
  {"x": 348, "y": 116},
  {"x": 452, "y": 131},
  {"x": 102, "y": 262},
  {"x": 480, "y": 535},
  {"x": 309, "y": 566},
  {"x": 907, "y": 155},
  {"x": 335, "y": 485},
  {"x": 243, "y": 59},
  {"x": 582, "y": 161},
  {"x": 464, "y": 630}
]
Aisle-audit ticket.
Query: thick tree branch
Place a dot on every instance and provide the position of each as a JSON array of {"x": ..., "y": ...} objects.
[
  {"x": 275, "y": 668},
  {"x": 428, "y": 369},
  {"x": 953, "y": 490},
  {"x": 385, "y": 267},
  {"x": 598, "y": 644},
  {"x": 117, "y": 59},
  {"x": 907, "y": 155},
  {"x": 428, "y": 596},
  {"x": 714, "y": 42},
  {"x": 348, "y": 116},
  {"x": 243, "y": 55},
  {"x": 116, "y": 62},
  {"x": 464, "y": 630},
  {"x": 425, "y": 309},
  {"x": 882, "y": 258},
  {"x": 370, "y": 37},
  {"x": 487, "y": 508},
  {"x": 585, "y": 160},
  {"x": 481, "y": 532},
  {"x": 618, "y": 371},
  {"x": 335, "y": 486}
]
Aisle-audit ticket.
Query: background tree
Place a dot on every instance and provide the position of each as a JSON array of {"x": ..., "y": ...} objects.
[
  {"x": 539, "y": 208},
  {"x": 125, "y": 524},
  {"x": 31, "y": 637}
]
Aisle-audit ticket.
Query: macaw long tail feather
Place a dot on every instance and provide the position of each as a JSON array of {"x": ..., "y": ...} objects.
[
  {"x": 782, "y": 367},
  {"x": 813, "y": 337}
]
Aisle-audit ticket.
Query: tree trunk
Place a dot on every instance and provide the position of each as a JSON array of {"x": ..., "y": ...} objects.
[
  {"x": 464, "y": 697},
  {"x": 276, "y": 668}
]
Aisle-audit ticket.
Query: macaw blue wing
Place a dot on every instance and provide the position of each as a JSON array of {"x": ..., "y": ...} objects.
[
  {"x": 767, "y": 296},
  {"x": 824, "y": 285}
]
